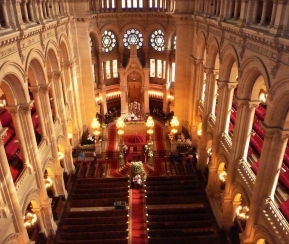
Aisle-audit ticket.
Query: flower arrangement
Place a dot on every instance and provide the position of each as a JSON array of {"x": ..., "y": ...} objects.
[
  {"x": 121, "y": 155},
  {"x": 136, "y": 167},
  {"x": 150, "y": 153}
]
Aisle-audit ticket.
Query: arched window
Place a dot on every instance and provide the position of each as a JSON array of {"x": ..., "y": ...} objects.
[
  {"x": 157, "y": 40},
  {"x": 108, "y": 41},
  {"x": 133, "y": 36}
]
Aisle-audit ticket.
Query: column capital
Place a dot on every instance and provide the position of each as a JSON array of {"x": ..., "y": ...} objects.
[
  {"x": 228, "y": 84},
  {"x": 26, "y": 108},
  {"x": 13, "y": 109},
  {"x": 34, "y": 89},
  {"x": 247, "y": 103},
  {"x": 3, "y": 132},
  {"x": 269, "y": 132},
  {"x": 45, "y": 87}
]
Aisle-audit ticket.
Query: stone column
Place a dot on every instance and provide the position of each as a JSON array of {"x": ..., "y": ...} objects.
[
  {"x": 14, "y": 110},
  {"x": 241, "y": 139},
  {"x": 146, "y": 89},
  {"x": 10, "y": 193},
  {"x": 5, "y": 15},
  {"x": 31, "y": 11},
  {"x": 165, "y": 98},
  {"x": 123, "y": 92},
  {"x": 38, "y": 106},
  {"x": 226, "y": 92},
  {"x": 275, "y": 142},
  {"x": 273, "y": 15},
  {"x": 255, "y": 10},
  {"x": 40, "y": 223},
  {"x": 54, "y": 96},
  {"x": 264, "y": 12},
  {"x": 103, "y": 96},
  {"x": 25, "y": 5}
]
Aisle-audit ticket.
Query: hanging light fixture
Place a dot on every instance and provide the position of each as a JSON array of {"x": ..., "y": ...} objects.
[
  {"x": 263, "y": 96},
  {"x": 150, "y": 122},
  {"x": 2, "y": 101},
  {"x": 174, "y": 124},
  {"x": 223, "y": 176},
  {"x": 95, "y": 125},
  {"x": 30, "y": 219},
  {"x": 242, "y": 212}
]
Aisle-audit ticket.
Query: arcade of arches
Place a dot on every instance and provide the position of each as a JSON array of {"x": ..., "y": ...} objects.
[{"x": 220, "y": 67}]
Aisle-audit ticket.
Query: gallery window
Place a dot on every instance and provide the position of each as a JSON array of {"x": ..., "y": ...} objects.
[
  {"x": 157, "y": 40},
  {"x": 108, "y": 41},
  {"x": 133, "y": 36}
]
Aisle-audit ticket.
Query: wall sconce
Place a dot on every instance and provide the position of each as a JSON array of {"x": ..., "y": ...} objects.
[
  {"x": 223, "y": 176},
  {"x": 95, "y": 125},
  {"x": 209, "y": 152},
  {"x": 60, "y": 155},
  {"x": 263, "y": 96},
  {"x": 30, "y": 220},
  {"x": 242, "y": 212},
  {"x": 48, "y": 182},
  {"x": 2, "y": 101},
  {"x": 199, "y": 132}
]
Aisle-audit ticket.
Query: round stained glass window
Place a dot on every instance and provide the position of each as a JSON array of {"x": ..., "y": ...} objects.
[
  {"x": 133, "y": 36},
  {"x": 108, "y": 41},
  {"x": 157, "y": 40}
]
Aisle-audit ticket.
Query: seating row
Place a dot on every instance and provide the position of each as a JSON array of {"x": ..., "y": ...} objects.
[
  {"x": 184, "y": 239},
  {"x": 94, "y": 235},
  {"x": 172, "y": 187},
  {"x": 101, "y": 185},
  {"x": 112, "y": 195},
  {"x": 181, "y": 217},
  {"x": 103, "y": 180},
  {"x": 103, "y": 213},
  {"x": 100, "y": 190},
  {"x": 168, "y": 193},
  {"x": 176, "y": 211},
  {"x": 99, "y": 241},
  {"x": 95, "y": 228},
  {"x": 95, "y": 202},
  {"x": 179, "y": 224},
  {"x": 88, "y": 220},
  {"x": 182, "y": 232}
]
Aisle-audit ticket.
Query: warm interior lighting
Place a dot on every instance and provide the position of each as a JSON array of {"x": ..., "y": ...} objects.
[
  {"x": 120, "y": 132},
  {"x": 96, "y": 133},
  {"x": 2, "y": 103},
  {"x": 174, "y": 131},
  {"x": 175, "y": 122},
  {"x": 70, "y": 135},
  {"x": 263, "y": 96},
  {"x": 95, "y": 124},
  {"x": 60, "y": 155},
  {"x": 120, "y": 123},
  {"x": 209, "y": 152},
  {"x": 150, "y": 131},
  {"x": 30, "y": 219},
  {"x": 112, "y": 94},
  {"x": 199, "y": 132},
  {"x": 150, "y": 122},
  {"x": 48, "y": 182},
  {"x": 223, "y": 176},
  {"x": 242, "y": 212}
]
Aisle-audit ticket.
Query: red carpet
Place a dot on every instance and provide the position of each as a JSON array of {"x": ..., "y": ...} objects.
[
  {"x": 137, "y": 220},
  {"x": 158, "y": 167},
  {"x": 159, "y": 138},
  {"x": 111, "y": 138}
]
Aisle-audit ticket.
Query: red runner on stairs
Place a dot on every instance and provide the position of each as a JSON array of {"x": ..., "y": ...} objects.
[
  {"x": 137, "y": 218},
  {"x": 111, "y": 138}
]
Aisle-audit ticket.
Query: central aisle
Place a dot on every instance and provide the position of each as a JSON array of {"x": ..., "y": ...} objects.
[{"x": 137, "y": 220}]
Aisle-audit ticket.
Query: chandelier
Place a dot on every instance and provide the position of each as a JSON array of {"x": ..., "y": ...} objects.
[
  {"x": 263, "y": 96},
  {"x": 242, "y": 212},
  {"x": 120, "y": 125},
  {"x": 174, "y": 123},
  {"x": 150, "y": 122},
  {"x": 48, "y": 182},
  {"x": 60, "y": 155},
  {"x": 95, "y": 125},
  {"x": 30, "y": 220},
  {"x": 223, "y": 176}
]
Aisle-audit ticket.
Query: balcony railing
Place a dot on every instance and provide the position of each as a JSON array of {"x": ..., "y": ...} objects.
[
  {"x": 247, "y": 174},
  {"x": 277, "y": 221}
]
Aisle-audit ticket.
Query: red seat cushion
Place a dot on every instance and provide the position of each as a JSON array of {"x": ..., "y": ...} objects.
[
  {"x": 14, "y": 173},
  {"x": 5, "y": 118},
  {"x": 9, "y": 134}
]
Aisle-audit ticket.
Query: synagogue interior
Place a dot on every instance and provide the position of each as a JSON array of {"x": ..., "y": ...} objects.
[{"x": 144, "y": 121}]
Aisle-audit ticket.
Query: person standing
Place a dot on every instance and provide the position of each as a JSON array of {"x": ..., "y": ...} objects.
[
  {"x": 94, "y": 156},
  {"x": 137, "y": 180}
]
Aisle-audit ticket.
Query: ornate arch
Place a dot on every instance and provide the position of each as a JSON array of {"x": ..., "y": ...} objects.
[
  {"x": 262, "y": 232},
  {"x": 251, "y": 69},
  {"x": 228, "y": 57},
  {"x": 213, "y": 51},
  {"x": 13, "y": 84},
  {"x": 31, "y": 196}
]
